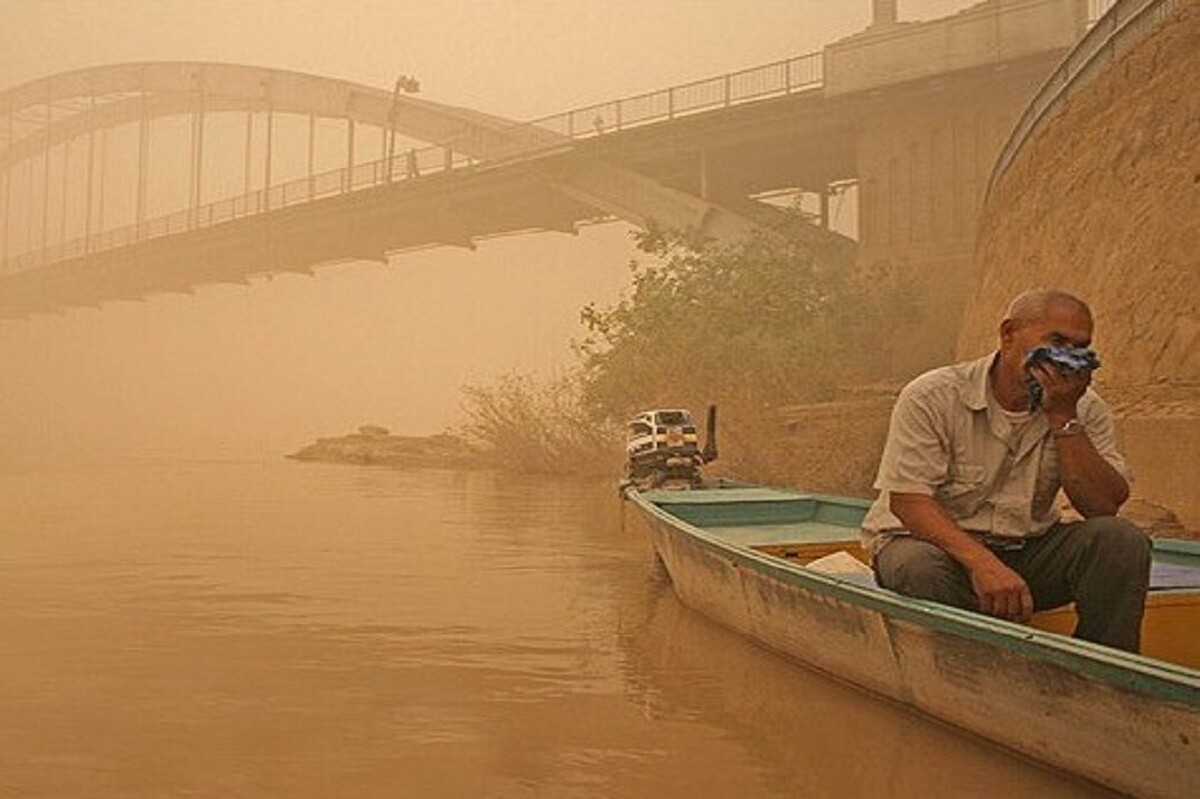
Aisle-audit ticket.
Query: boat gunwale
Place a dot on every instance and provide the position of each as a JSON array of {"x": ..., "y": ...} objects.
[
  {"x": 1149, "y": 676},
  {"x": 1176, "y": 546}
]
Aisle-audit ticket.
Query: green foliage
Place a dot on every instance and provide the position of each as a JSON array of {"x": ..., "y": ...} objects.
[
  {"x": 759, "y": 323},
  {"x": 750, "y": 327}
]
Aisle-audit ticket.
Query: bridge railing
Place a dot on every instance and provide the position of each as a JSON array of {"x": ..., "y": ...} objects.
[
  {"x": 1122, "y": 24},
  {"x": 775, "y": 79}
]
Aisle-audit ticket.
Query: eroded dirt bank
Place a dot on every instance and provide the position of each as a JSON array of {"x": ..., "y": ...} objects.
[{"x": 1105, "y": 202}]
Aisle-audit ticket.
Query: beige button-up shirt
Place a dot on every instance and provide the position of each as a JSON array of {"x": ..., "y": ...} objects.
[{"x": 949, "y": 439}]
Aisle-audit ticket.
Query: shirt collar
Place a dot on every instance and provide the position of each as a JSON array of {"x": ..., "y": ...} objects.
[{"x": 975, "y": 395}]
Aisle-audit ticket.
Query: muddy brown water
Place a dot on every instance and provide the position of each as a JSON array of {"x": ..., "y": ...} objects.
[{"x": 260, "y": 628}]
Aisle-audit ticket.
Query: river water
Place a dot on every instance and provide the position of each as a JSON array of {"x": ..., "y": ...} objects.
[{"x": 264, "y": 628}]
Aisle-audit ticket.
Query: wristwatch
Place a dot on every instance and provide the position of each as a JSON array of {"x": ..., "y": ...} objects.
[{"x": 1071, "y": 427}]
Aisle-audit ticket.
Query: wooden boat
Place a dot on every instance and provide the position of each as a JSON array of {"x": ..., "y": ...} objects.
[{"x": 785, "y": 568}]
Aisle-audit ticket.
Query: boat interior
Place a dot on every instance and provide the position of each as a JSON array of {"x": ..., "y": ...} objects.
[{"x": 821, "y": 533}]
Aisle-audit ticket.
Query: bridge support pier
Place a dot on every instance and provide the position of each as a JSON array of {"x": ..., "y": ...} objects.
[{"x": 884, "y": 12}]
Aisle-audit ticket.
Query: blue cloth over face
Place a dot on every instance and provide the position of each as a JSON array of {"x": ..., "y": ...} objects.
[{"x": 1064, "y": 359}]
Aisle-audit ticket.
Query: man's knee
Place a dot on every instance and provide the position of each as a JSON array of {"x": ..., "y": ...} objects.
[
  {"x": 1116, "y": 544},
  {"x": 1116, "y": 535},
  {"x": 919, "y": 569}
]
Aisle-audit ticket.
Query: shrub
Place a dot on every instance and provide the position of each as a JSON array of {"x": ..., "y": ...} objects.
[{"x": 525, "y": 426}]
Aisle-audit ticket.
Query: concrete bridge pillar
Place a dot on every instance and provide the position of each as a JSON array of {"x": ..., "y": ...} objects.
[
  {"x": 883, "y": 12},
  {"x": 937, "y": 99}
]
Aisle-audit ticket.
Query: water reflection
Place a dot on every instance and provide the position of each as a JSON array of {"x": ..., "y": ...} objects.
[
  {"x": 811, "y": 735},
  {"x": 283, "y": 629}
]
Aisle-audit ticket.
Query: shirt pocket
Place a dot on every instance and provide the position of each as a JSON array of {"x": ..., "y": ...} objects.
[{"x": 962, "y": 479}]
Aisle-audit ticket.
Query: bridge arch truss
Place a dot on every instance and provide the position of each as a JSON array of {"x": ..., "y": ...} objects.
[
  {"x": 123, "y": 180},
  {"x": 61, "y": 185}
]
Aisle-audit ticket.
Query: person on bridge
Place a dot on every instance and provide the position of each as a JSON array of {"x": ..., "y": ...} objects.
[{"x": 975, "y": 456}]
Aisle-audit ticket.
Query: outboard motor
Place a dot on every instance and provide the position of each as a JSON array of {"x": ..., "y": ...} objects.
[{"x": 663, "y": 449}]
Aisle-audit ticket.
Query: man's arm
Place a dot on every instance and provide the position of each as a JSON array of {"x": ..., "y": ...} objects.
[
  {"x": 1092, "y": 484},
  {"x": 1094, "y": 487},
  {"x": 1001, "y": 591}
]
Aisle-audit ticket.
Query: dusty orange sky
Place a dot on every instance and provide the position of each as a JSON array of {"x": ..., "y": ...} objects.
[{"x": 267, "y": 367}]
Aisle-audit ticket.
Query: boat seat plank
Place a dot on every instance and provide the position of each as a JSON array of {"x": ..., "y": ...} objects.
[{"x": 1170, "y": 576}]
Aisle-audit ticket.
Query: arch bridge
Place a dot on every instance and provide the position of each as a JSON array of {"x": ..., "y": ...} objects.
[{"x": 124, "y": 180}]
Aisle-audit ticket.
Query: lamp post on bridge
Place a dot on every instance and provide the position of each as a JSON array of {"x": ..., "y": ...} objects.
[{"x": 408, "y": 85}]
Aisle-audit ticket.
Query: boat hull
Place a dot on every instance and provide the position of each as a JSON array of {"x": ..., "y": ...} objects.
[{"x": 1120, "y": 720}]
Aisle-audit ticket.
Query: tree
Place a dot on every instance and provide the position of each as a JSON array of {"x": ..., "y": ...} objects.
[
  {"x": 756, "y": 324},
  {"x": 750, "y": 326}
]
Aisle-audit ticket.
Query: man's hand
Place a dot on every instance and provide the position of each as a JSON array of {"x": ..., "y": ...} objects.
[
  {"x": 1060, "y": 391},
  {"x": 1094, "y": 487},
  {"x": 1001, "y": 591}
]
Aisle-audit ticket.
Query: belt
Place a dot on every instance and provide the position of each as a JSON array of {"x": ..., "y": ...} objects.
[{"x": 1002, "y": 543}]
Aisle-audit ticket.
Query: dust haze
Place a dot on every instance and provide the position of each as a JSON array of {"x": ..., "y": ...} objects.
[{"x": 268, "y": 366}]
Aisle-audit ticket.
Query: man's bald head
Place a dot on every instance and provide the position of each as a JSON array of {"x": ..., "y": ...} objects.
[{"x": 1035, "y": 305}]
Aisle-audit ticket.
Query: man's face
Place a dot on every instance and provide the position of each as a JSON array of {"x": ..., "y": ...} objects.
[{"x": 1063, "y": 325}]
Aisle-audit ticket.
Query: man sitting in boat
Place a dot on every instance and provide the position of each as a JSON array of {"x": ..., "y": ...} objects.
[{"x": 975, "y": 456}]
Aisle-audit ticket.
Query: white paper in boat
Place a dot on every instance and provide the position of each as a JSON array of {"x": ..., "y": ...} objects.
[{"x": 839, "y": 563}]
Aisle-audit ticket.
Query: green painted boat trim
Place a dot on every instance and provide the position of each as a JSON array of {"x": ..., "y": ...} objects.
[
  {"x": 1177, "y": 551},
  {"x": 1153, "y": 678}
]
